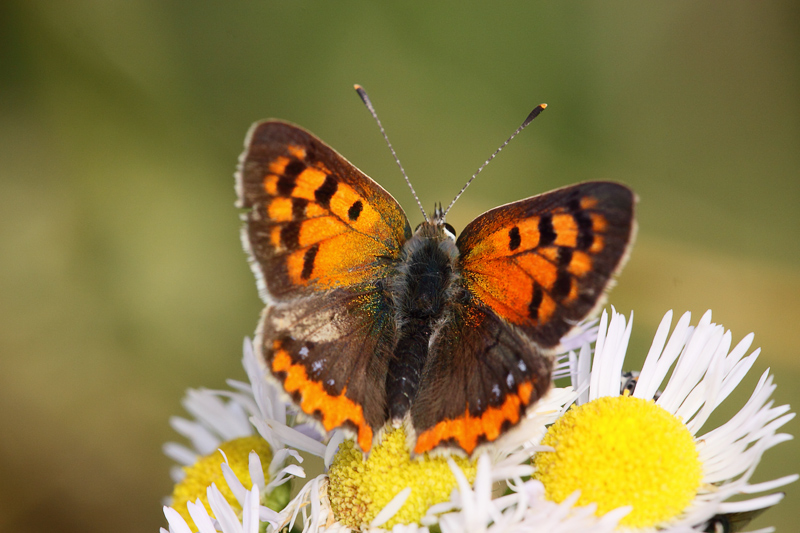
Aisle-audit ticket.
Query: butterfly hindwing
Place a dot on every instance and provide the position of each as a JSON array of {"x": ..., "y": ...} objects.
[
  {"x": 544, "y": 263},
  {"x": 329, "y": 354},
  {"x": 315, "y": 222},
  {"x": 492, "y": 373}
]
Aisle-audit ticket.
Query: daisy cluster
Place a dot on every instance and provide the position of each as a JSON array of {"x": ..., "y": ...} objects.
[{"x": 612, "y": 452}]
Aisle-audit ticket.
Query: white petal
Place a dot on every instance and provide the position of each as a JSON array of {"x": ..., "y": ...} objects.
[
  {"x": 250, "y": 514},
  {"x": 233, "y": 482},
  {"x": 203, "y": 440},
  {"x": 256, "y": 470},
  {"x": 584, "y": 374},
  {"x": 315, "y": 505},
  {"x": 751, "y": 505},
  {"x": 289, "y": 436},
  {"x": 391, "y": 508},
  {"x": 609, "y": 359},
  {"x": 644, "y": 385},
  {"x": 176, "y": 521},
  {"x": 228, "y": 422},
  {"x": 594, "y": 383},
  {"x": 483, "y": 488},
  {"x": 222, "y": 511},
  {"x": 675, "y": 345},
  {"x": 333, "y": 446},
  {"x": 200, "y": 517},
  {"x": 179, "y": 453}
]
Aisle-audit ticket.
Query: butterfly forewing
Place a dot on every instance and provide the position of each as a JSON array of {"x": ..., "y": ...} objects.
[
  {"x": 315, "y": 222},
  {"x": 544, "y": 263}
]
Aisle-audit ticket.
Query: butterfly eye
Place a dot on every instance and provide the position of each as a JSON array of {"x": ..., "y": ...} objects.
[{"x": 450, "y": 230}]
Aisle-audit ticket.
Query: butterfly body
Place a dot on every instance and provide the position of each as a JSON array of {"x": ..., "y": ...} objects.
[
  {"x": 422, "y": 292},
  {"x": 369, "y": 324}
]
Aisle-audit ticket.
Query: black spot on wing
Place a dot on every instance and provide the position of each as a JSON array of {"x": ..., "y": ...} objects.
[
  {"x": 564, "y": 257},
  {"x": 294, "y": 169},
  {"x": 514, "y": 239},
  {"x": 299, "y": 208},
  {"x": 546, "y": 232},
  {"x": 562, "y": 285},
  {"x": 536, "y": 301},
  {"x": 355, "y": 210},
  {"x": 286, "y": 185},
  {"x": 290, "y": 235},
  {"x": 325, "y": 192},
  {"x": 308, "y": 261},
  {"x": 585, "y": 232}
]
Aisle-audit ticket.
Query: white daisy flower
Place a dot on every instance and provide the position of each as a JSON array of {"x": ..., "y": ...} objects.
[
  {"x": 631, "y": 450},
  {"x": 238, "y": 434}
]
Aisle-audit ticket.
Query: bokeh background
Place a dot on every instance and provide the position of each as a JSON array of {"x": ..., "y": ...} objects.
[{"x": 122, "y": 279}]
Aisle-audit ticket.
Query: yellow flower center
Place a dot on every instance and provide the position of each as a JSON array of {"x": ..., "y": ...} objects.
[
  {"x": 359, "y": 489},
  {"x": 207, "y": 470},
  {"x": 622, "y": 451}
]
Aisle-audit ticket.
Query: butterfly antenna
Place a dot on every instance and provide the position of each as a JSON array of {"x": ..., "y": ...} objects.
[
  {"x": 363, "y": 94},
  {"x": 533, "y": 114}
]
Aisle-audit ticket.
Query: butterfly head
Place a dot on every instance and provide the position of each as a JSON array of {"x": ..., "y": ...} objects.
[{"x": 436, "y": 225}]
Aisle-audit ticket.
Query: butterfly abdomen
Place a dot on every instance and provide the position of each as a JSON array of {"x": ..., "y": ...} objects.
[{"x": 420, "y": 294}]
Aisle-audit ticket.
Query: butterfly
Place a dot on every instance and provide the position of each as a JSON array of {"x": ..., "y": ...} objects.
[{"x": 369, "y": 324}]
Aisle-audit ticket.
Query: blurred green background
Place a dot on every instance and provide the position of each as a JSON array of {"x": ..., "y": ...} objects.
[{"x": 122, "y": 280}]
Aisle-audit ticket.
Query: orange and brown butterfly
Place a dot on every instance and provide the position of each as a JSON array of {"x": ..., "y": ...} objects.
[{"x": 370, "y": 324}]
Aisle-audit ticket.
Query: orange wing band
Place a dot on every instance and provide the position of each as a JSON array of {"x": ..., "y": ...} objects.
[
  {"x": 334, "y": 411},
  {"x": 467, "y": 429}
]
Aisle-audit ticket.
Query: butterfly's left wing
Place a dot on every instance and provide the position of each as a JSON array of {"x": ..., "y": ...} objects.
[
  {"x": 530, "y": 271},
  {"x": 314, "y": 221},
  {"x": 322, "y": 238}
]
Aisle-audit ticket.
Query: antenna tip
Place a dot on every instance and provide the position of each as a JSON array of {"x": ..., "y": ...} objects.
[
  {"x": 363, "y": 94},
  {"x": 535, "y": 113}
]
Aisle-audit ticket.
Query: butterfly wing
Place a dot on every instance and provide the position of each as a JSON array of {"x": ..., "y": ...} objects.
[
  {"x": 329, "y": 354},
  {"x": 321, "y": 237},
  {"x": 315, "y": 221},
  {"x": 530, "y": 271},
  {"x": 491, "y": 374},
  {"x": 543, "y": 264}
]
